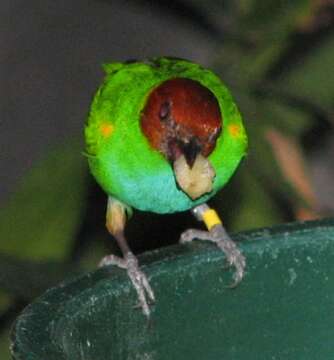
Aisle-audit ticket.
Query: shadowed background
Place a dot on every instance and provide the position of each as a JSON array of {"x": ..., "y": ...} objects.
[{"x": 276, "y": 58}]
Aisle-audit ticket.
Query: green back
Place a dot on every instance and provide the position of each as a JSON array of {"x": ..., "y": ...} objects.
[{"x": 120, "y": 157}]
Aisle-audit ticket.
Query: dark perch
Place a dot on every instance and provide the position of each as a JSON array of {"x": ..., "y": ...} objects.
[{"x": 283, "y": 309}]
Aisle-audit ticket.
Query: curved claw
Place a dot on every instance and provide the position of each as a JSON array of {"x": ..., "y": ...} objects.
[
  {"x": 137, "y": 277},
  {"x": 140, "y": 283},
  {"x": 239, "y": 266},
  {"x": 191, "y": 234},
  {"x": 219, "y": 236},
  {"x": 234, "y": 256}
]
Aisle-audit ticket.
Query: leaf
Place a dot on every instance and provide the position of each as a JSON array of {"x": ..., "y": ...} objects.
[
  {"x": 5, "y": 345},
  {"x": 262, "y": 30},
  {"x": 311, "y": 77},
  {"x": 288, "y": 119},
  {"x": 256, "y": 208},
  {"x": 261, "y": 179},
  {"x": 290, "y": 159},
  {"x": 42, "y": 218}
]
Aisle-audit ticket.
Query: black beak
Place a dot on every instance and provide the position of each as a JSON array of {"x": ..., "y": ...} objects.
[{"x": 190, "y": 150}]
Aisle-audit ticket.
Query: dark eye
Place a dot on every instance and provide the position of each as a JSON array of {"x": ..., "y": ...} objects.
[{"x": 165, "y": 110}]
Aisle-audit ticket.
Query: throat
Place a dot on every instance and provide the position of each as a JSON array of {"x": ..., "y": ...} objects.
[{"x": 197, "y": 180}]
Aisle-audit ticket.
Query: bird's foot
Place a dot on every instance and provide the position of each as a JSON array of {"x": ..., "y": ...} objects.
[
  {"x": 137, "y": 277},
  {"x": 219, "y": 236}
]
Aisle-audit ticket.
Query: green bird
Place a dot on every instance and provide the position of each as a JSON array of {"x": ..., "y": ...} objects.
[{"x": 163, "y": 136}]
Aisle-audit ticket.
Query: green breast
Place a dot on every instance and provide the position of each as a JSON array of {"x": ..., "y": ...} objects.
[{"x": 120, "y": 157}]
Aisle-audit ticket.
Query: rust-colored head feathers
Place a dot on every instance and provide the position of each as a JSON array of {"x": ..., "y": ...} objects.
[
  {"x": 182, "y": 116},
  {"x": 182, "y": 120}
]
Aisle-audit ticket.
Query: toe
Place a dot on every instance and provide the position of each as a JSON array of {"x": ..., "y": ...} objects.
[
  {"x": 137, "y": 281},
  {"x": 186, "y": 236},
  {"x": 148, "y": 288},
  {"x": 112, "y": 260},
  {"x": 239, "y": 265}
]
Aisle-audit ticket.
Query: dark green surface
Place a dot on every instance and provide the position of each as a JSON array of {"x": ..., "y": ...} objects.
[{"x": 283, "y": 309}]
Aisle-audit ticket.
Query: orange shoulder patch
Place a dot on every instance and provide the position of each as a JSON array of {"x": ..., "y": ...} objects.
[
  {"x": 234, "y": 130},
  {"x": 106, "y": 129}
]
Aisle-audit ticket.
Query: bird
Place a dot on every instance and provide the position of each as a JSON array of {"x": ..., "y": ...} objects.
[{"x": 163, "y": 135}]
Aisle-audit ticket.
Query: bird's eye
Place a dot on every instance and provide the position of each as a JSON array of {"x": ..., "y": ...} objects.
[{"x": 165, "y": 110}]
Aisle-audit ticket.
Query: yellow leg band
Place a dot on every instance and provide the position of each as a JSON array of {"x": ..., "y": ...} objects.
[{"x": 211, "y": 218}]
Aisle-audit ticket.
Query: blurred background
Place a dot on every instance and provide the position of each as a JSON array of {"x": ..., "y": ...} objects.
[{"x": 277, "y": 58}]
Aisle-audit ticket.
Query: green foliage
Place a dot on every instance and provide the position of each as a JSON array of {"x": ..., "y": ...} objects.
[
  {"x": 4, "y": 345},
  {"x": 40, "y": 223},
  {"x": 275, "y": 82},
  {"x": 42, "y": 217},
  {"x": 311, "y": 78}
]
